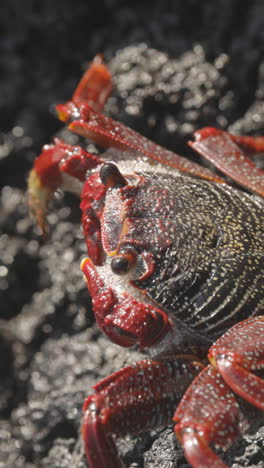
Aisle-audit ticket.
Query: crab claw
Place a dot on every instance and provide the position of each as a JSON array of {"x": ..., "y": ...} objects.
[{"x": 122, "y": 318}]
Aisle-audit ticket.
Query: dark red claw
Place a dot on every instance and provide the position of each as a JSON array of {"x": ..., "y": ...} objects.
[
  {"x": 123, "y": 319},
  {"x": 46, "y": 176},
  {"x": 221, "y": 150}
]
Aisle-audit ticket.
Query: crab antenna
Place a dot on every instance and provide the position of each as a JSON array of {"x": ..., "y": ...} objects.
[{"x": 111, "y": 176}]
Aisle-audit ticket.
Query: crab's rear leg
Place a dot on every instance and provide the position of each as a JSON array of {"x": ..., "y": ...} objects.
[
  {"x": 135, "y": 399},
  {"x": 225, "y": 152},
  {"x": 210, "y": 412},
  {"x": 237, "y": 355}
]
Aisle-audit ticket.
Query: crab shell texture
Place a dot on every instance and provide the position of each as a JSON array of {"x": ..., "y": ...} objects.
[{"x": 194, "y": 247}]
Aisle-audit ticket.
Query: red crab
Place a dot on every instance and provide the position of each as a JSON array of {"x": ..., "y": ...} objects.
[{"x": 176, "y": 265}]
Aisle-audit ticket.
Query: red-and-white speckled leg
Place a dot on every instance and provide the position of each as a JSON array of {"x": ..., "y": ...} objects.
[
  {"x": 209, "y": 412},
  {"x": 111, "y": 133},
  {"x": 47, "y": 174},
  {"x": 58, "y": 158},
  {"x": 137, "y": 398},
  {"x": 226, "y": 152},
  {"x": 239, "y": 352}
]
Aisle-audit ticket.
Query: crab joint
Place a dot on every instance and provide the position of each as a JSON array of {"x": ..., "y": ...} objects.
[{"x": 111, "y": 176}]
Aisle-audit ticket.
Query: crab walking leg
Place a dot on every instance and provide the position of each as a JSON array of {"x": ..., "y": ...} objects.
[
  {"x": 122, "y": 318},
  {"x": 249, "y": 144},
  {"x": 219, "y": 148},
  {"x": 107, "y": 132},
  {"x": 84, "y": 118},
  {"x": 135, "y": 399},
  {"x": 46, "y": 175},
  {"x": 239, "y": 352},
  {"x": 208, "y": 413},
  {"x": 93, "y": 89}
]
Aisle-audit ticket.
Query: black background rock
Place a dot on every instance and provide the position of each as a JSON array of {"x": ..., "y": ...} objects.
[{"x": 178, "y": 65}]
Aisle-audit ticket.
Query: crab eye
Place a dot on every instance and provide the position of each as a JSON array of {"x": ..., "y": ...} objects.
[
  {"x": 122, "y": 263},
  {"x": 111, "y": 176}
]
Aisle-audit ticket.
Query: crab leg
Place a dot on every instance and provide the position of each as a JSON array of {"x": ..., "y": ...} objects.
[
  {"x": 137, "y": 398},
  {"x": 222, "y": 150},
  {"x": 110, "y": 133},
  {"x": 249, "y": 144},
  {"x": 82, "y": 114},
  {"x": 239, "y": 352},
  {"x": 209, "y": 412},
  {"x": 93, "y": 89},
  {"x": 46, "y": 175}
]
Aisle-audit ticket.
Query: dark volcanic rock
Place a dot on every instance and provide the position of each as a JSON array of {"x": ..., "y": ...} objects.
[{"x": 177, "y": 66}]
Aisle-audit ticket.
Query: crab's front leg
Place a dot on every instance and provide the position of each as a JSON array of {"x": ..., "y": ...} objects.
[
  {"x": 210, "y": 412},
  {"x": 135, "y": 399},
  {"x": 60, "y": 158},
  {"x": 47, "y": 175}
]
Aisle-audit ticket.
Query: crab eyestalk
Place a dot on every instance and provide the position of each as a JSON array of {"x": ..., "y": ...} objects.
[{"x": 111, "y": 176}]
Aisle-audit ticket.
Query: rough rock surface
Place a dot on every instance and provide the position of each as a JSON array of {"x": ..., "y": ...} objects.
[{"x": 178, "y": 65}]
